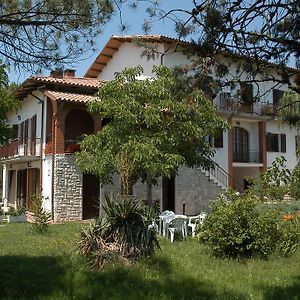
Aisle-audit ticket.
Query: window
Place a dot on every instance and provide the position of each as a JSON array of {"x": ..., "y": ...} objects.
[
  {"x": 277, "y": 95},
  {"x": 240, "y": 145},
  {"x": 218, "y": 138},
  {"x": 246, "y": 93},
  {"x": 283, "y": 143},
  {"x": 272, "y": 142}
]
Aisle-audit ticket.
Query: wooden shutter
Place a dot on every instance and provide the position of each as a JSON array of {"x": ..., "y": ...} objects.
[
  {"x": 218, "y": 138},
  {"x": 283, "y": 143}
]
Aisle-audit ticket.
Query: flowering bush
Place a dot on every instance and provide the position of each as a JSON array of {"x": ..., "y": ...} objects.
[{"x": 289, "y": 238}]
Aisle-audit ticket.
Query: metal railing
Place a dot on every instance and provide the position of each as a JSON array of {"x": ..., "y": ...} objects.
[
  {"x": 225, "y": 102},
  {"x": 220, "y": 175},
  {"x": 21, "y": 147},
  {"x": 250, "y": 156}
]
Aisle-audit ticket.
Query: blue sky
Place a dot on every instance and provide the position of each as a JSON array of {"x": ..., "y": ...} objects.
[{"x": 133, "y": 20}]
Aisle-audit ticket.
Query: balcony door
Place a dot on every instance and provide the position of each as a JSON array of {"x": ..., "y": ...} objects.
[{"x": 240, "y": 145}]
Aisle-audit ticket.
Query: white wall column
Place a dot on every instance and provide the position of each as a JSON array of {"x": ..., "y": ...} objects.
[{"x": 5, "y": 182}]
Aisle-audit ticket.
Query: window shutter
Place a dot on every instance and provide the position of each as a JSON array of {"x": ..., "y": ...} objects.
[
  {"x": 283, "y": 142},
  {"x": 218, "y": 138},
  {"x": 269, "y": 141}
]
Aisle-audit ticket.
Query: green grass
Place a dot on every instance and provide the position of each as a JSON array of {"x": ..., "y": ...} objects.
[{"x": 47, "y": 267}]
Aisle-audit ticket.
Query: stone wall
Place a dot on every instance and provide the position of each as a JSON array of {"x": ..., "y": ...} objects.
[
  {"x": 67, "y": 188},
  {"x": 194, "y": 189}
]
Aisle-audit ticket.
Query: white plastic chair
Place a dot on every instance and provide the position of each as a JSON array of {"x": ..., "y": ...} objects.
[
  {"x": 178, "y": 224},
  {"x": 164, "y": 218},
  {"x": 195, "y": 220}
]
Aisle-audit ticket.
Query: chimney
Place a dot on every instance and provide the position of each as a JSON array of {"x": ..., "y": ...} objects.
[
  {"x": 56, "y": 73},
  {"x": 69, "y": 73}
]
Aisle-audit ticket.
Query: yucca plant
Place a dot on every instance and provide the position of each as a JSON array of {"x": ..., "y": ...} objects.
[{"x": 123, "y": 233}]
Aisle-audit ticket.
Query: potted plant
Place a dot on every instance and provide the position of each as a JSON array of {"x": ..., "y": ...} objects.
[{"x": 16, "y": 215}]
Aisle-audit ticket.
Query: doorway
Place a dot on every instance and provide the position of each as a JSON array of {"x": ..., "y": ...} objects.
[
  {"x": 90, "y": 196},
  {"x": 168, "y": 193}
]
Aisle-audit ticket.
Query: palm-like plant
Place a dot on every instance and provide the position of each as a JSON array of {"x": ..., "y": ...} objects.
[{"x": 124, "y": 232}]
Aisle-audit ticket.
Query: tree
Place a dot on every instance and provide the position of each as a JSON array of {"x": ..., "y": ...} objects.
[
  {"x": 36, "y": 34},
  {"x": 7, "y": 103},
  {"x": 155, "y": 127},
  {"x": 260, "y": 32}
]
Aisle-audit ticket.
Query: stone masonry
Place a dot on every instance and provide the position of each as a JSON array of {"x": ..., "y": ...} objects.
[{"x": 67, "y": 189}]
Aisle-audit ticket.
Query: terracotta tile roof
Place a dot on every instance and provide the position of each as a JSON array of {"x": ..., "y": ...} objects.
[
  {"x": 71, "y": 81},
  {"x": 115, "y": 41},
  {"x": 70, "y": 97}
]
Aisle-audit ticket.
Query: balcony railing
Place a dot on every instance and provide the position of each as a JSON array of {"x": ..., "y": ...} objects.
[
  {"x": 20, "y": 148},
  {"x": 251, "y": 156},
  {"x": 72, "y": 146},
  {"x": 225, "y": 102}
]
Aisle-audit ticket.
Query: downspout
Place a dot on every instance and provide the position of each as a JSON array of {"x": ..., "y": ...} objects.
[
  {"x": 41, "y": 101},
  {"x": 54, "y": 119}
]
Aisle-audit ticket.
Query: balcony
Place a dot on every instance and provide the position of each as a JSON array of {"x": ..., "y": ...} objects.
[
  {"x": 71, "y": 146},
  {"x": 250, "y": 156},
  {"x": 20, "y": 148},
  {"x": 225, "y": 102}
]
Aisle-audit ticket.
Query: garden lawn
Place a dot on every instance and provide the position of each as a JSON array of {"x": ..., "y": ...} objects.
[{"x": 47, "y": 267}]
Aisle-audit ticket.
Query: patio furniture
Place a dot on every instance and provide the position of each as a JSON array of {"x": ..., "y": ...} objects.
[
  {"x": 195, "y": 220},
  {"x": 178, "y": 224},
  {"x": 164, "y": 217}
]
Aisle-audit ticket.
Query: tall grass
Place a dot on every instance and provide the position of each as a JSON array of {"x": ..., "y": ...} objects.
[{"x": 47, "y": 267}]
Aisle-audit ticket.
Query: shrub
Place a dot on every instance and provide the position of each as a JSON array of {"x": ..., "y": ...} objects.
[
  {"x": 272, "y": 185},
  {"x": 124, "y": 233},
  {"x": 289, "y": 239},
  {"x": 235, "y": 229},
  {"x": 295, "y": 183},
  {"x": 16, "y": 211},
  {"x": 41, "y": 218}
]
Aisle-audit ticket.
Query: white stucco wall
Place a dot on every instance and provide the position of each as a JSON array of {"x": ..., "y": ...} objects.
[
  {"x": 129, "y": 55},
  {"x": 47, "y": 182},
  {"x": 291, "y": 132},
  {"x": 30, "y": 106},
  {"x": 221, "y": 154}
]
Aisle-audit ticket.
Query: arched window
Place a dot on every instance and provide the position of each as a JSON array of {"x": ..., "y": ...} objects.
[{"x": 240, "y": 145}]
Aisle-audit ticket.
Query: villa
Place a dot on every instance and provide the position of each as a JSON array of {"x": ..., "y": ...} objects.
[{"x": 52, "y": 118}]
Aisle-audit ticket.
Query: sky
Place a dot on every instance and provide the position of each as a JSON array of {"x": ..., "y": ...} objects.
[{"x": 133, "y": 21}]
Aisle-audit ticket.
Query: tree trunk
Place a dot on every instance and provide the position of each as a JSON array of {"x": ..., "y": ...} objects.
[{"x": 149, "y": 191}]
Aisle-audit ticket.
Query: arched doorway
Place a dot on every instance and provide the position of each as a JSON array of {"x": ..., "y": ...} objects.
[
  {"x": 78, "y": 122},
  {"x": 240, "y": 145}
]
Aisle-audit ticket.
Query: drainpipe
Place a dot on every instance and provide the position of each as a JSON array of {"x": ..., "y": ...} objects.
[
  {"x": 41, "y": 101},
  {"x": 54, "y": 119}
]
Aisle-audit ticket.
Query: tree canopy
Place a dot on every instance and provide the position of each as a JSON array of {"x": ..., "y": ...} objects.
[
  {"x": 36, "y": 34},
  {"x": 155, "y": 127},
  {"x": 265, "y": 31},
  {"x": 7, "y": 103}
]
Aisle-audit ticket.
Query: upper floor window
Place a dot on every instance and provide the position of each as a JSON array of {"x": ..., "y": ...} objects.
[
  {"x": 277, "y": 95},
  {"x": 246, "y": 93},
  {"x": 276, "y": 142},
  {"x": 218, "y": 138}
]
